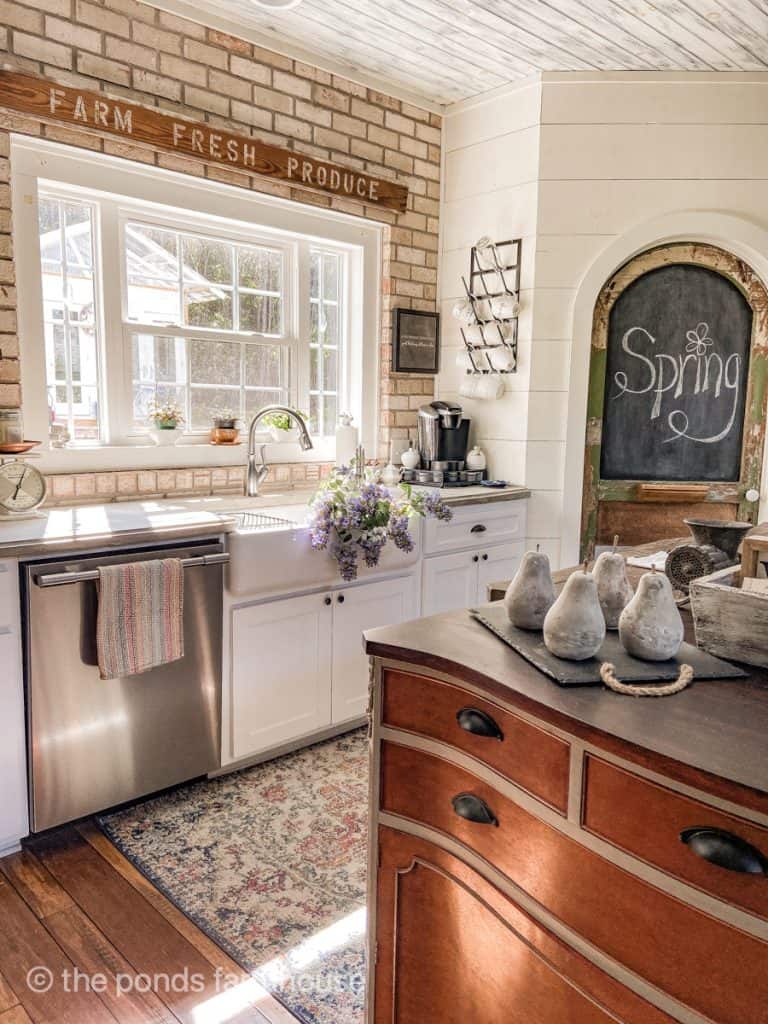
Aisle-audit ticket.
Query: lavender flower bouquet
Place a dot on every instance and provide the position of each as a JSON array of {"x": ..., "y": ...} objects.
[{"x": 351, "y": 517}]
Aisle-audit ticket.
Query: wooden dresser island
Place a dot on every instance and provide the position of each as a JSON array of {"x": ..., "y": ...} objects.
[{"x": 551, "y": 855}]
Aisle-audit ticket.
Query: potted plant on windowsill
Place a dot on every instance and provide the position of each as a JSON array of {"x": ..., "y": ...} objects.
[
  {"x": 282, "y": 427},
  {"x": 166, "y": 419},
  {"x": 225, "y": 429}
]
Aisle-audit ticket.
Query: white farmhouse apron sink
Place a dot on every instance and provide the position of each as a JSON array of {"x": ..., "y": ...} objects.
[{"x": 277, "y": 556}]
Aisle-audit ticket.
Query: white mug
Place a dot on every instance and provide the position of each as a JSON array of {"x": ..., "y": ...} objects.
[
  {"x": 486, "y": 387},
  {"x": 505, "y": 307},
  {"x": 463, "y": 360},
  {"x": 463, "y": 312},
  {"x": 502, "y": 358},
  {"x": 485, "y": 251}
]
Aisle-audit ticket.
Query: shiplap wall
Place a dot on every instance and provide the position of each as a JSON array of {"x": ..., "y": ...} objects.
[{"x": 612, "y": 152}]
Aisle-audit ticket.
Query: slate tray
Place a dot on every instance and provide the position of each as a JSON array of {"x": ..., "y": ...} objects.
[{"x": 530, "y": 645}]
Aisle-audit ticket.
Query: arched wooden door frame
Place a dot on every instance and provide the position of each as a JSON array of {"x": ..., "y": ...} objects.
[{"x": 739, "y": 273}]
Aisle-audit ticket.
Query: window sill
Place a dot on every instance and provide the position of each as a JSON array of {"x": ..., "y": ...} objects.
[{"x": 183, "y": 455}]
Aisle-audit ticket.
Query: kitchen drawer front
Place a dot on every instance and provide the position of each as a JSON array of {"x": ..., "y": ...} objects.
[
  {"x": 711, "y": 967},
  {"x": 454, "y": 949},
  {"x": 529, "y": 756},
  {"x": 618, "y": 805},
  {"x": 475, "y": 526},
  {"x": 9, "y": 594}
]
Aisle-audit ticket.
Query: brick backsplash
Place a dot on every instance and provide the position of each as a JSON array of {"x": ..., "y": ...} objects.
[
  {"x": 133, "y": 50},
  {"x": 133, "y": 484}
]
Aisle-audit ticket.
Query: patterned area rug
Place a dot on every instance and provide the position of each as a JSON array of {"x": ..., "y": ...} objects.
[{"x": 270, "y": 862}]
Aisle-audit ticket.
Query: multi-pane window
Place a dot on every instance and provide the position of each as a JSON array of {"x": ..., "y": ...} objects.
[
  {"x": 203, "y": 317},
  {"x": 325, "y": 340},
  {"x": 69, "y": 287},
  {"x": 200, "y": 281}
]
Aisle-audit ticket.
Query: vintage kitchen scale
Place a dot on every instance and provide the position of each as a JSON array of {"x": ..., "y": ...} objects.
[{"x": 22, "y": 486}]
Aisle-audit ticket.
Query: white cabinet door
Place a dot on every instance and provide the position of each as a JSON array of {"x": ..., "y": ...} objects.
[
  {"x": 355, "y": 610},
  {"x": 497, "y": 564},
  {"x": 449, "y": 582},
  {"x": 281, "y": 672},
  {"x": 14, "y": 821}
]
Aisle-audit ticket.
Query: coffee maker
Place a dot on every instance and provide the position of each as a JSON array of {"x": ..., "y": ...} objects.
[{"x": 443, "y": 434}]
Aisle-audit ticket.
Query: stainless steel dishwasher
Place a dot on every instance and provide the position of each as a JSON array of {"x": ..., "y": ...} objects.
[{"x": 95, "y": 743}]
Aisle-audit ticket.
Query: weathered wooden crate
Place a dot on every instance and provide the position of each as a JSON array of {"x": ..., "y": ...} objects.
[{"x": 730, "y": 622}]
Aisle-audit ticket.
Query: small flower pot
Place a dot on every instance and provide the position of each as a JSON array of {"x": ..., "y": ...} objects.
[
  {"x": 166, "y": 435},
  {"x": 224, "y": 435},
  {"x": 290, "y": 436}
]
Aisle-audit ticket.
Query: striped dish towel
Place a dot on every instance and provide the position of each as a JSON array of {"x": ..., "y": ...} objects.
[{"x": 140, "y": 621}]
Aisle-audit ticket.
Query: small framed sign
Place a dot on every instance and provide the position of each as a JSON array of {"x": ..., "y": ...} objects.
[{"x": 415, "y": 341}]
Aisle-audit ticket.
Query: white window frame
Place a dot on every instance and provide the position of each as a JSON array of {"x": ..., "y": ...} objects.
[{"x": 131, "y": 191}]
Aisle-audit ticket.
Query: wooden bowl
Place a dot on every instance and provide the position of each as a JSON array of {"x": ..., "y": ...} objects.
[{"x": 19, "y": 448}]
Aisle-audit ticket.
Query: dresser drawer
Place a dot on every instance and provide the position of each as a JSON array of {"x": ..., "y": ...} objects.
[
  {"x": 476, "y": 526},
  {"x": 716, "y": 970},
  {"x": 617, "y": 806},
  {"x": 525, "y": 754}
]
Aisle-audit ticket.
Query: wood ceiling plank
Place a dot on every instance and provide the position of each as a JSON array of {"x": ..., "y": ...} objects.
[
  {"x": 448, "y": 50},
  {"x": 689, "y": 14},
  {"x": 653, "y": 15},
  {"x": 741, "y": 21},
  {"x": 574, "y": 36},
  {"x": 660, "y": 55},
  {"x": 360, "y": 47},
  {"x": 436, "y": 34},
  {"x": 501, "y": 30}
]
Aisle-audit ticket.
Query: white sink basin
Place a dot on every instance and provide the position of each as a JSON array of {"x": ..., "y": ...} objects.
[{"x": 271, "y": 553}]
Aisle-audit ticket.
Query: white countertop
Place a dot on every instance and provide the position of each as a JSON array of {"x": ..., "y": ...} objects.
[{"x": 61, "y": 528}]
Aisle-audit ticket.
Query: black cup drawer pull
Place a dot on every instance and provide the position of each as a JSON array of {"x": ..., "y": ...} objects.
[
  {"x": 479, "y": 528},
  {"x": 479, "y": 723},
  {"x": 472, "y": 808},
  {"x": 725, "y": 850}
]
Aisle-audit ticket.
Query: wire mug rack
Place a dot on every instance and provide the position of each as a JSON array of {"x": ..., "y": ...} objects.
[{"x": 498, "y": 333}]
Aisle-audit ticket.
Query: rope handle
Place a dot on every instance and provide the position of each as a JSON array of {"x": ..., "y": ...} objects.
[{"x": 608, "y": 676}]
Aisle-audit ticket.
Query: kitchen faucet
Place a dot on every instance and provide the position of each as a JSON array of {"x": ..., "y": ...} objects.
[{"x": 256, "y": 474}]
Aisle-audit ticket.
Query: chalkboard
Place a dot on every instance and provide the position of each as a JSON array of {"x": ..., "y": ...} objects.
[{"x": 676, "y": 378}]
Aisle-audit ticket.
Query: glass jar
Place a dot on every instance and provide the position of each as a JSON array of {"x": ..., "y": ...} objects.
[{"x": 11, "y": 429}]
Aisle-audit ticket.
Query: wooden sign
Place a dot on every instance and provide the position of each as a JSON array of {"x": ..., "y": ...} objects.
[
  {"x": 29, "y": 94},
  {"x": 679, "y": 341}
]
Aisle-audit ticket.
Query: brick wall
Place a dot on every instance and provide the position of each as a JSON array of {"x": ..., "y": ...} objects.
[{"x": 132, "y": 50}]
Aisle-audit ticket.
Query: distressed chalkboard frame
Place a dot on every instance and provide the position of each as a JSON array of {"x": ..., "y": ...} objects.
[
  {"x": 746, "y": 280},
  {"x": 430, "y": 364}
]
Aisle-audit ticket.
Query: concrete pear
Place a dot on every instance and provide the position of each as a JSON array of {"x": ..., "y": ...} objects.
[
  {"x": 613, "y": 588},
  {"x": 574, "y": 627},
  {"x": 531, "y": 593},
  {"x": 650, "y": 626}
]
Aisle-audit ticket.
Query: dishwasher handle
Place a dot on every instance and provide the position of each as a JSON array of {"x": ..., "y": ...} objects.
[{"x": 58, "y": 579}]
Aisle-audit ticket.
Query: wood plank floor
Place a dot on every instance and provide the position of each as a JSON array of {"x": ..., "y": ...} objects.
[{"x": 86, "y": 939}]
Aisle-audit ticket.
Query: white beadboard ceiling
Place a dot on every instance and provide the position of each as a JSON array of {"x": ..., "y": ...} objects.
[{"x": 443, "y": 51}]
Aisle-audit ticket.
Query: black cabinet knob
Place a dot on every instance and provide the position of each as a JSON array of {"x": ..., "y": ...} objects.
[
  {"x": 472, "y": 808},
  {"x": 475, "y": 558},
  {"x": 327, "y": 600},
  {"x": 724, "y": 850},
  {"x": 478, "y": 528},
  {"x": 340, "y": 599},
  {"x": 478, "y": 723},
  {"x": 485, "y": 558}
]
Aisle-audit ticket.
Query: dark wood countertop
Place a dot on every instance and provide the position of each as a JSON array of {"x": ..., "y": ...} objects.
[{"x": 719, "y": 728}]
